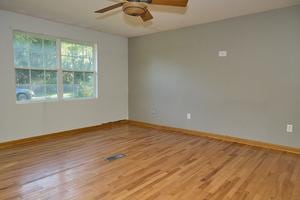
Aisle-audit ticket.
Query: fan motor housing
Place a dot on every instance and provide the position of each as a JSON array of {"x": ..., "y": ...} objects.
[{"x": 135, "y": 8}]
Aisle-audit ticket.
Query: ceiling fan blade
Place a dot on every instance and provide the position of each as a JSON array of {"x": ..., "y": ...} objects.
[
  {"x": 116, "y": 1},
  {"x": 147, "y": 16},
  {"x": 179, "y": 3},
  {"x": 110, "y": 8}
]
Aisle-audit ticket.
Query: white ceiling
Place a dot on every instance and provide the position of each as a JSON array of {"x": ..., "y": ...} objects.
[{"x": 80, "y": 13}]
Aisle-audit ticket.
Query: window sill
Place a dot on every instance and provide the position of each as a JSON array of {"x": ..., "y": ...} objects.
[
  {"x": 56, "y": 100},
  {"x": 79, "y": 99},
  {"x": 37, "y": 101}
]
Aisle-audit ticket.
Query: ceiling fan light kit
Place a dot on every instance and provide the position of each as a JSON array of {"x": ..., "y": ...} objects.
[
  {"x": 138, "y": 8},
  {"x": 134, "y": 8}
]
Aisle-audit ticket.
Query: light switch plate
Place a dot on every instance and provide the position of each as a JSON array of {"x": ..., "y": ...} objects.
[
  {"x": 189, "y": 116},
  {"x": 289, "y": 128}
]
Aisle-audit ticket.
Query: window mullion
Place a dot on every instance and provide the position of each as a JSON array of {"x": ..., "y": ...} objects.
[
  {"x": 30, "y": 86},
  {"x": 45, "y": 85},
  {"x": 29, "y": 52},
  {"x": 44, "y": 67}
]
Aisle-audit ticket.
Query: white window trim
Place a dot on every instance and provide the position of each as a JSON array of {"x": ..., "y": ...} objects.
[{"x": 59, "y": 69}]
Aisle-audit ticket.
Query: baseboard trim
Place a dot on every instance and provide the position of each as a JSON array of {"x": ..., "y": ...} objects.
[
  {"x": 218, "y": 137},
  {"x": 61, "y": 134},
  {"x": 225, "y": 138}
]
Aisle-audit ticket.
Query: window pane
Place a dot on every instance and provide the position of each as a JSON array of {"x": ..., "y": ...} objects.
[
  {"x": 78, "y": 82},
  {"x": 51, "y": 84},
  {"x": 34, "y": 52},
  {"x": 78, "y": 77},
  {"x": 38, "y": 83},
  {"x": 77, "y": 57},
  {"x": 88, "y": 64},
  {"x": 83, "y": 84},
  {"x": 89, "y": 77},
  {"x": 36, "y": 44},
  {"x": 68, "y": 80},
  {"x": 50, "y": 46},
  {"x": 36, "y": 60},
  {"x": 89, "y": 84},
  {"x": 21, "y": 57},
  {"x": 21, "y": 53},
  {"x": 50, "y": 61},
  {"x": 77, "y": 50},
  {"x": 66, "y": 63},
  {"x": 78, "y": 63},
  {"x": 50, "y": 77},
  {"x": 23, "y": 92},
  {"x": 88, "y": 51},
  {"x": 37, "y": 77},
  {"x": 22, "y": 77},
  {"x": 66, "y": 49},
  {"x": 21, "y": 40}
]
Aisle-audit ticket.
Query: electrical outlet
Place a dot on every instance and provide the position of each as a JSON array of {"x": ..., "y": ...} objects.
[
  {"x": 189, "y": 116},
  {"x": 153, "y": 112},
  {"x": 289, "y": 128},
  {"x": 222, "y": 53}
]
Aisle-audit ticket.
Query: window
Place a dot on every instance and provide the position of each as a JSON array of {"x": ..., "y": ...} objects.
[
  {"x": 78, "y": 70},
  {"x": 46, "y": 72},
  {"x": 36, "y": 67}
]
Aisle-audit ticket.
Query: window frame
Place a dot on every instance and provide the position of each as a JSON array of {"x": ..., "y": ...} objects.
[{"x": 59, "y": 69}]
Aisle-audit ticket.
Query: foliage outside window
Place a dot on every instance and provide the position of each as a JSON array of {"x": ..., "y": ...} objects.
[
  {"x": 78, "y": 70},
  {"x": 38, "y": 69}
]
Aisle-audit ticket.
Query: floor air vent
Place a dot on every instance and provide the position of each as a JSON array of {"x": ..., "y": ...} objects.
[{"x": 115, "y": 157}]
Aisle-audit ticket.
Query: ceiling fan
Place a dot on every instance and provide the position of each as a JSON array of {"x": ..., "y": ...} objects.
[{"x": 139, "y": 7}]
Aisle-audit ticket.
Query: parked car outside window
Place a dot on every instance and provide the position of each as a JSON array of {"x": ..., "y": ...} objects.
[{"x": 24, "y": 94}]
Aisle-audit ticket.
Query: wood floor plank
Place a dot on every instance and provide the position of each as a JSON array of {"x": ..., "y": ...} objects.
[{"x": 158, "y": 165}]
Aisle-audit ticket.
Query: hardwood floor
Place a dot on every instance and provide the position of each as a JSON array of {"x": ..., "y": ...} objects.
[{"x": 159, "y": 165}]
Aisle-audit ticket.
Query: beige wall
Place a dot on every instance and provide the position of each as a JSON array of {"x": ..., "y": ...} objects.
[
  {"x": 253, "y": 93},
  {"x": 26, "y": 120}
]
